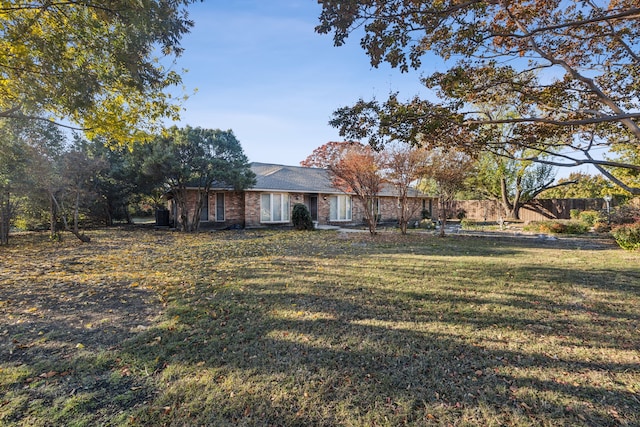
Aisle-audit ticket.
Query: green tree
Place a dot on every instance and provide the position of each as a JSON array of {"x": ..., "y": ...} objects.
[
  {"x": 196, "y": 158},
  {"x": 29, "y": 151},
  {"x": 584, "y": 186},
  {"x": 512, "y": 182},
  {"x": 13, "y": 166},
  {"x": 94, "y": 64},
  {"x": 568, "y": 68}
]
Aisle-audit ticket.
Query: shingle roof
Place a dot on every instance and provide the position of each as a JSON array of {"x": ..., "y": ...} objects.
[
  {"x": 292, "y": 178},
  {"x": 307, "y": 180}
]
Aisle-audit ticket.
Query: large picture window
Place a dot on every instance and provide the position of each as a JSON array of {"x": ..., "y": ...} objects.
[
  {"x": 340, "y": 208},
  {"x": 274, "y": 207}
]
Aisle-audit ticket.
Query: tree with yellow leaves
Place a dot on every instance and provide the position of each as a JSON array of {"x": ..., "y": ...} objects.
[{"x": 91, "y": 65}]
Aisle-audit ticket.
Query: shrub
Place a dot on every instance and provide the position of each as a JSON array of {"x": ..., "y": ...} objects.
[
  {"x": 557, "y": 227},
  {"x": 301, "y": 217},
  {"x": 601, "y": 227},
  {"x": 627, "y": 236},
  {"x": 626, "y": 214},
  {"x": 427, "y": 224},
  {"x": 573, "y": 227},
  {"x": 574, "y": 214},
  {"x": 469, "y": 224},
  {"x": 589, "y": 218}
]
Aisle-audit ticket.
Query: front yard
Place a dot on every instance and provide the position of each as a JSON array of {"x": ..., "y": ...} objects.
[{"x": 144, "y": 327}]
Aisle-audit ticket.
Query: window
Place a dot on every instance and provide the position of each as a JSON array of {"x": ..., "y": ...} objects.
[
  {"x": 220, "y": 207},
  {"x": 340, "y": 208},
  {"x": 204, "y": 212},
  {"x": 274, "y": 207}
]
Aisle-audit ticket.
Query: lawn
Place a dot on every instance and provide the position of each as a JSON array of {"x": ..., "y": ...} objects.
[{"x": 278, "y": 328}]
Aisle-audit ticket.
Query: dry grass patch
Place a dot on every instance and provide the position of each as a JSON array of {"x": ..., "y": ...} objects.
[{"x": 144, "y": 327}]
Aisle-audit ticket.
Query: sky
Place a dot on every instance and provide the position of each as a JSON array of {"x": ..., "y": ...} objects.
[{"x": 259, "y": 68}]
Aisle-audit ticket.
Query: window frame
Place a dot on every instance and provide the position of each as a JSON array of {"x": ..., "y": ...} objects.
[
  {"x": 285, "y": 209},
  {"x": 341, "y": 199},
  {"x": 204, "y": 211},
  {"x": 219, "y": 197}
]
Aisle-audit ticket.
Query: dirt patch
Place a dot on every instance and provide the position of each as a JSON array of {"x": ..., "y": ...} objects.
[{"x": 64, "y": 317}]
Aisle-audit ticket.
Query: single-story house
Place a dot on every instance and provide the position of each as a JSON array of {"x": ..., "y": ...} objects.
[{"x": 278, "y": 188}]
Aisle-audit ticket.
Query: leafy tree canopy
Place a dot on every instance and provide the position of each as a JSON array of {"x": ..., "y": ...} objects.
[
  {"x": 584, "y": 186},
  {"x": 329, "y": 154},
  {"x": 195, "y": 158},
  {"x": 569, "y": 69},
  {"x": 93, "y": 64}
]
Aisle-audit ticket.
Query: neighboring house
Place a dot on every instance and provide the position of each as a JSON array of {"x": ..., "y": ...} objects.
[{"x": 278, "y": 188}]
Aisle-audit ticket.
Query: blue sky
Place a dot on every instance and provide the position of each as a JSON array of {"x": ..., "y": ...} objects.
[{"x": 261, "y": 70}]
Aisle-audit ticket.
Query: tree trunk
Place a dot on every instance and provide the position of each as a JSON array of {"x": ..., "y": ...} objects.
[
  {"x": 81, "y": 236},
  {"x": 443, "y": 216},
  {"x": 54, "y": 233},
  {"x": 195, "y": 220},
  {"x": 5, "y": 217},
  {"x": 370, "y": 215},
  {"x": 511, "y": 207},
  {"x": 404, "y": 213}
]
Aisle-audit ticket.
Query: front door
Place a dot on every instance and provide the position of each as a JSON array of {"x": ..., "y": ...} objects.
[{"x": 312, "y": 204}]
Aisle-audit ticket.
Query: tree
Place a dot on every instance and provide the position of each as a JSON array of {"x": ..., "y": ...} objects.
[
  {"x": 581, "y": 185},
  {"x": 512, "y": 182},
  {"x": 196, "y": 158},
  {"x": 77, "y": 185},
  {"x": 13, "y": 166},
  {"x": 571, "y": 67},
  {"x": 329, "y": 154},
  {"x": 29, "y": 151},
  {"x": 446, "y": 172},
  {"x": 93, "y": 64},
  {"x": 359, "y": 172},
  {"x": 404, "y": 166}
]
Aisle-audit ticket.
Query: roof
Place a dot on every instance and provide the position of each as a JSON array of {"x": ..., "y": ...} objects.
[
  {"x": 292, "y": 178},
  {"x": 305, "y": 180}
]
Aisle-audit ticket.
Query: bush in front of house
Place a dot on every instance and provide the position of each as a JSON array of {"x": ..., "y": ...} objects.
[
  {"x": 627, "y": 236},
  {"x": 301, "y": 217}
]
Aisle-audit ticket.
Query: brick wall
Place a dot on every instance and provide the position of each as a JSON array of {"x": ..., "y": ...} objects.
[
  {"x": 243, "y": 209},
  {"x": 251, "y": 209}
]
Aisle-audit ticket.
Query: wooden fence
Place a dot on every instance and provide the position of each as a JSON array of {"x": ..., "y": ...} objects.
[{"x": 536, "y": 210}]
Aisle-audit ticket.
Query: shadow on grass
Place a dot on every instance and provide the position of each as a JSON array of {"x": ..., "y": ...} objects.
[
  {"x": 389, "y": 355},
  {"x": 370, "y": 333}
]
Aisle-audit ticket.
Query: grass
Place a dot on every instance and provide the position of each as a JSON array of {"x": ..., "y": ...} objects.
[{"x": 144, "y": 327}]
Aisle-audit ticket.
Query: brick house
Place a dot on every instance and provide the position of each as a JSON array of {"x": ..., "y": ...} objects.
[{"x": 278, "y": 188}]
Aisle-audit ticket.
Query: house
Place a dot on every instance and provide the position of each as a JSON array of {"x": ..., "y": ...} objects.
[{"x": 278, "y": 188}]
